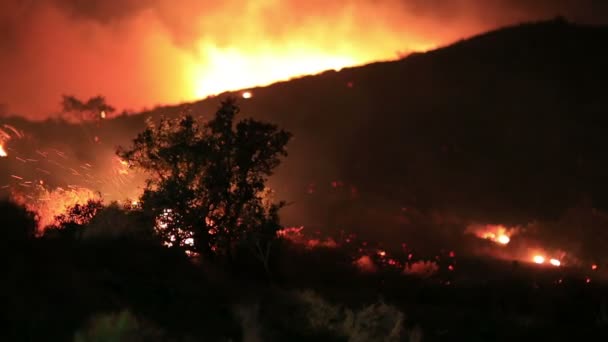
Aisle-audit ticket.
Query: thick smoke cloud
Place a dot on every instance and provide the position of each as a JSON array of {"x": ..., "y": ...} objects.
[{"x": 145, "y": 52}]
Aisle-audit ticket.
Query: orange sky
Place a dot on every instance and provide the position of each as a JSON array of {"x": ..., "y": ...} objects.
[{"x": 140, "y": 53}]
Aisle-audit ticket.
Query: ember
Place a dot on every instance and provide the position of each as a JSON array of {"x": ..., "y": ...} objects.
[{"x": 539, "y": 259}]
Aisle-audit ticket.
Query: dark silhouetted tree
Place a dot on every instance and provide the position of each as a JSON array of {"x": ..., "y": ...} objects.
[
  {"x": 18, "y": 223},
  {"x": 72, "y": 222},
  {"x": 95, "y": 108},
  {"x": 207, "y": 182}
]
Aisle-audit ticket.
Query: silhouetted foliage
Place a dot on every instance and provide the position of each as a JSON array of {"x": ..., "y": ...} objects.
[
  {"x": 18, "y": 223},
  {"x": 207, "y": 179},
  {"x": 94, "y": 108},
  {"x": 73, "y": 221}
]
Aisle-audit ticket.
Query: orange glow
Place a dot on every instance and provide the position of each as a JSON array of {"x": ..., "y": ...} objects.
[
  {"x": 365, "y": 264},
  {"x": 594, "y": 267},
  {"x": 495, "y": 233},
  {"x": 539, "y": 259},
  {"x": 175, "y": 51},
  {"x": 48, "y": 204},
  {"x": 123, "y": 167},
  {"x": 247, "y": 95},
  {"x": 231, "y": 69},
  {"x": 3, "y": 153}
]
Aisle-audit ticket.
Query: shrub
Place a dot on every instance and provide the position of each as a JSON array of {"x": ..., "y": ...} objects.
[{"x": 118, "y": 327}]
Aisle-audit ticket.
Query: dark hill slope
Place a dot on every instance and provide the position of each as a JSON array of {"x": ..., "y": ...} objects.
[{"x": 508, "y": 125}]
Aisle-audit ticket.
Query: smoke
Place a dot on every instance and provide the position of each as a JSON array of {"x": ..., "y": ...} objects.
[{"x": 145, "y": 52}]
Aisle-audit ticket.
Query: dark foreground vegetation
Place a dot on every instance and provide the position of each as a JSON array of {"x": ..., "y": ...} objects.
[{"x": 125, "y": 286}]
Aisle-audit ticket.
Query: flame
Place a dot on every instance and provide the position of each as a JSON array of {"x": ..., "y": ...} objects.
[
  {"x": 4, "y": 137},
  {"x": 539, "y": 259},
  {"x": 555, "y": 262},
  {"x": 48, "y": 204},
  {"x": 496, "y": 233},
  {"x": 503, "y": 239},
  {"x": 122, "y": 167},
  {"x": 230, "y": 69},
  {"x": 422, "y": 268}
]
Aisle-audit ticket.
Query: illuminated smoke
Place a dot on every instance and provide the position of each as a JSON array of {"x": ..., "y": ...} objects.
[
  {"x": 365, "y": 264},
  {"x": 143, "y": 52},
  {"x": 422, "y": 268},
  {"x": 296, "y": 236}
]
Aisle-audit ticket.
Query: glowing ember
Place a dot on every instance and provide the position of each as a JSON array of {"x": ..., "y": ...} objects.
[
  {"x": 539, "y": 259},
  {"x": 555, "y": 262},
  {"x": 247, "y": 95},
  {"x": 495, "y": 233},
  {"x": 594, "y": 267},
  {"x": 503, "y": 239},
  {"x": 423, "y": 269},
  {"x": 3, "y": 153},
  {"x": 365, "y": 264},
  {"x": 102, "y": 114}
]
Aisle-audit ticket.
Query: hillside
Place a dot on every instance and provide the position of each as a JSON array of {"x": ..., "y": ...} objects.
[{"x": 507, "y": 126}]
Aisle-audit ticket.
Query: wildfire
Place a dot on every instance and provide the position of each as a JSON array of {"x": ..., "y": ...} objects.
[
  {"x": 5, "y": 136},
  {"x": 48, "y": 204},
  {"x": 229, "y": 69},
  {"x": 555, "y": 262},
  {"x": 503, "y": 239},
  {"x": 495, "y": 233},
  {"x": 539, "y": 259}
]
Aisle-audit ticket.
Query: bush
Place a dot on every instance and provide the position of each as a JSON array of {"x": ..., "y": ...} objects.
[
  {"x": 305, "y": 315},
  {"x": 18, "y": 223},
  {"x": 118, "y": 327}
]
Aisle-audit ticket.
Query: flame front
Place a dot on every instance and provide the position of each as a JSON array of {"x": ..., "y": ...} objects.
[{"x": 495, "y": 233}]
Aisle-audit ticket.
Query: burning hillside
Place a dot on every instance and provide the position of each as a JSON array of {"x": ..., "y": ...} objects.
[
  {"x": 171, "y": 51},
  {"x": 432, "y": 171}
]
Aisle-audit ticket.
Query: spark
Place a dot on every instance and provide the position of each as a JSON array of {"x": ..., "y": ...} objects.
[{"x": 247, "y": 95}]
